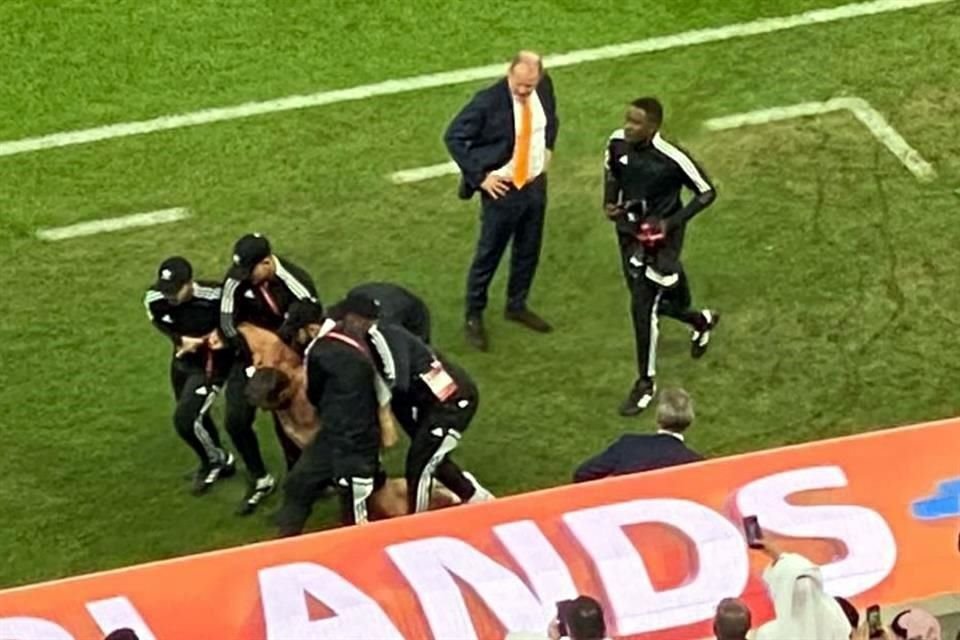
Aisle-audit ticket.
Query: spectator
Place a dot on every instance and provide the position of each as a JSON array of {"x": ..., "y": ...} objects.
[
  {"x": 803, "y": 611},
  {"x": 644, "y": 452},
  {"x": 583, "y": 620},
  {"x": 853, "y": 616},
  {"x": 915, "y": 624},
  {"x": 123, "y": 634},
  {"x": 732, "y": 621}
]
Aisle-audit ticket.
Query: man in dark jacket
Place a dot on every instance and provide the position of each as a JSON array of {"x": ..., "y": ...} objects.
[
  {"x": 646, "y": 452},
  {"x": 502, "y": 141}
]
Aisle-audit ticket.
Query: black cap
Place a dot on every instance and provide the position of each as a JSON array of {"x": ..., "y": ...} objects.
[
  {"x": 247, "y": 253},
  {"x": 300, "y": 314},
  {"x": 356, "y": 303},
  {"x": 172, "y": 275}
]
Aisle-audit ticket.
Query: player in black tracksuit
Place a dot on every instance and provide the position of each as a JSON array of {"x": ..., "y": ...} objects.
[
  {"x": 434, "y": 401},
  {"x": 340, "y": 385},
  {"x": 644, "y": 175},
  {"x": 187, "y": 312},
  {"x": 259, "y": 288}
]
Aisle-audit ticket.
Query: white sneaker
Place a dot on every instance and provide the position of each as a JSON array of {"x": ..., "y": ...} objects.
[
  {"x": 700, "y": 340},
  {"x": 480, "y": 494}
]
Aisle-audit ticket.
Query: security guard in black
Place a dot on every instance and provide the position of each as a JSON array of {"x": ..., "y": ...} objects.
[
  {"x": 398, "y": 305},
  {"x": 643, "y": 180},
  {"x": 259, "y": 288},
  {"x": 186, "y": 311},
  {"x": 340, "y": 385},
  {"x": 434, "y": 400}
]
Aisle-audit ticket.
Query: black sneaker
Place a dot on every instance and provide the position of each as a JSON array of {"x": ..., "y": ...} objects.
[
  {"x": 207, "y": 476},
  {"x": 640, "y": 397},
  {"x": 262, "y": 488},
  {"x": 700, "y": 340}
]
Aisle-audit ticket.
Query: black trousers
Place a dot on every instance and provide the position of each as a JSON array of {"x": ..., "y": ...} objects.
[
  {"x": 240, "y": 417},
  {"x": 355, "y": 476},
  {"x": 649, "y": 300},
  {"x": 516, "y": 216},
  {"x": 194, "y": 396},
  {"x": 435, "y": 431}
]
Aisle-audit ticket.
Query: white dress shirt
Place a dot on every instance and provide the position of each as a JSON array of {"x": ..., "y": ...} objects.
[
  {"x": 538, "y": 138},
  {"x": 678, "y": 436}
]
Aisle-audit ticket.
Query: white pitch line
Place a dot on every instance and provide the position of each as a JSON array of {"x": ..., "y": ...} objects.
[
  {"x": 94, "y": 227},
  {"x": 424, "y": 173},
  {"x": 402, "y": 85},
  {"x": 861, "y": 110}
]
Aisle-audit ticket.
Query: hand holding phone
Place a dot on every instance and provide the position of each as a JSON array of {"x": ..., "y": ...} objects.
[
  {"x": 874, "y": 623},
  {"x": 753, "y": 532}
]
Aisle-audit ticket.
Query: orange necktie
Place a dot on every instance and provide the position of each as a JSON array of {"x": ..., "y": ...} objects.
[{"x": 521, "y": 152}]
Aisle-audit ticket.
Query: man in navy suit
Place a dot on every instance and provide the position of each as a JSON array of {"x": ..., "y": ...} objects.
[
  {"x": 502, "y": 141},
  {"x": 645, "y": 452}
]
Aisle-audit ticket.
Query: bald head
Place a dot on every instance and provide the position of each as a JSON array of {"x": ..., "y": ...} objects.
[
  {"x": 524, "y": 74},
  {"x": 732, "y": 621}
]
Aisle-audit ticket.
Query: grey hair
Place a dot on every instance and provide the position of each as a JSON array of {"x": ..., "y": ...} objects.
[
  {"x": 675, "y": 410},
  {"x": 527, "y": 57}
]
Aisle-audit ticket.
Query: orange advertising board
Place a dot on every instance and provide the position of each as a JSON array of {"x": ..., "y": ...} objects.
[{"x": 879, "y": 511}]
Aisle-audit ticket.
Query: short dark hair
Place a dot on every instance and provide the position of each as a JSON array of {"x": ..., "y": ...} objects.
[
  {"x": 651, "y": 106},
  {"x": 732, "y": 620},
  {"x": 123, "y": 634},
  {"x": 265, "y": 386},
  {"x": 585, "y": 619}
]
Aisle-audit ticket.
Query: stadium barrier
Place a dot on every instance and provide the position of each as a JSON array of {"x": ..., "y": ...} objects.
[{"x": 879, "y": 511}]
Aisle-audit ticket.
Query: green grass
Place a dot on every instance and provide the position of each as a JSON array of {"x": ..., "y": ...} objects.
[{"x": 833, "y": 266}]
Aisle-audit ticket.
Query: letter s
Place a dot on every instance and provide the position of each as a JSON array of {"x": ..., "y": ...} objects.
[{"x": 871, "y": 547}]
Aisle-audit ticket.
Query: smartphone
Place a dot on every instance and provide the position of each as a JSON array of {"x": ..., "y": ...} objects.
[
  {"x": 751, "y": 528},
  {"x": 874, "y": 623},
  {"x": 563, "y": 607}
]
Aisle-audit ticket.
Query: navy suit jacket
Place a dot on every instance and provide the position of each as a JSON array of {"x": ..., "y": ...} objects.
[
  {"x": 481, "y": 137},
  {"x": 636, "y": 452}
]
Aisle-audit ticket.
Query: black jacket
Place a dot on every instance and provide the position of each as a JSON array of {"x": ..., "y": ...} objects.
[
  {"x": 403, "y": 360},
  {"x": 340, "y": 384},
  {"x": 398, "y": 306},
  {"x": 481, "y": 137},
  {"x": 243, "y": 302},
  {"x": 648, "y": 179},
  {"x": 633, "y": 453},
  {"x": 195, "y": 318}
]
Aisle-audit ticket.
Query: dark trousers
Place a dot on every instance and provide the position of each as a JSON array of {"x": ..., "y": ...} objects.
[
  {"x": 648, "y": 300},
  {"x": 519, "y": 216},
  {"x": 355, "y": 477},
  {"x": 240, "y": 416},
  {"x": 191, "y": 417},
  {"x": 435, "y": 432}
]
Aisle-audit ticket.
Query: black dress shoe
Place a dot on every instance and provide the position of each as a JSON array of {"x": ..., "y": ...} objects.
[
  {"x": 529, "y": 319},
  {"x": 475, "y": 333}
]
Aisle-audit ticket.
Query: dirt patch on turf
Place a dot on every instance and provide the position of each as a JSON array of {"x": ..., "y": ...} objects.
[{"x": 929, "y": 121}]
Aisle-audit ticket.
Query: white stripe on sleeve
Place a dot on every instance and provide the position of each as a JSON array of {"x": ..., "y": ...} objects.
[
  {"x": 386, "y": 355},
  {"x": 684, "y": 162},
  {"x": 296, "y": 287},
  {"x": 151, "y": 297}
]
